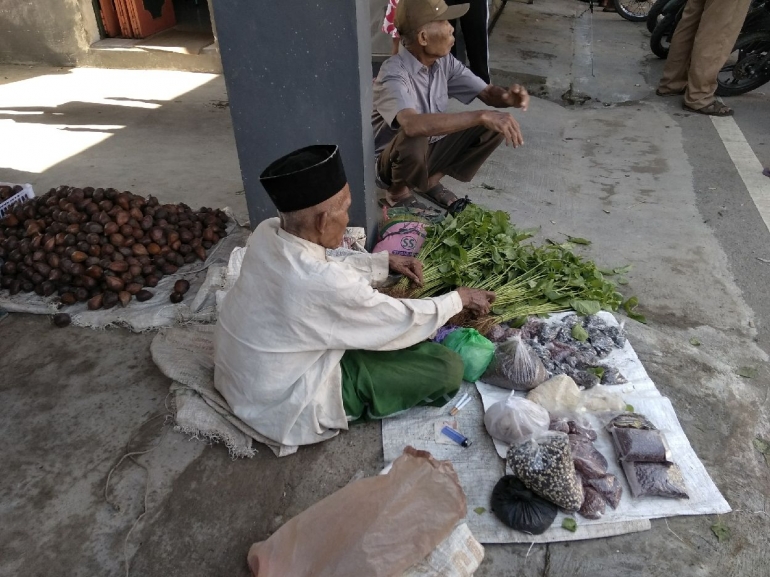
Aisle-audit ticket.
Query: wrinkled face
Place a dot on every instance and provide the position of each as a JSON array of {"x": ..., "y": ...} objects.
[
  {"x": 437, "y": 38},
  {"x": 336, "y": 220}
]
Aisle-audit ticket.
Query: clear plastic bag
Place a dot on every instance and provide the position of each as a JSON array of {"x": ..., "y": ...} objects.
[
  {"x": 593, "y": 506},
  {"x": 476, "y": 351},
  {"x": 655, "y": 480},
  {"x": 589, "y": 462},
  {"x": 631, "y": 421},
  {"x": 558, "y": 394},
  {"x": 641, "y": 445},
  {"x": 608, "y": 486},
  {"x": 544, "y": 464},
  {"x": 521, "y": 509},
  {"x": 515, "y": 419},
  {"x": 515, "y": 366}
]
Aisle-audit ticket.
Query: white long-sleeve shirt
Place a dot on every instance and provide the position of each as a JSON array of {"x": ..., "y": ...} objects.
[{"x": 289, "y": 318}]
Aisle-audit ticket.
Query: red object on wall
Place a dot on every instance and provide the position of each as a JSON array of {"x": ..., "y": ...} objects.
[
  {"x": 149, "y": 17},
  {"x": 123, "y": 19},
  {"x": 109, "y": 18}
]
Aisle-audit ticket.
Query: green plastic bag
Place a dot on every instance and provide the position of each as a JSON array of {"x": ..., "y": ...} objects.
[{"x": 476, "y": 351}]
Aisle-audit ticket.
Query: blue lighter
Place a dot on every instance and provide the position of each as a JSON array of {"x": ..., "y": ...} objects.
[{"x": 458, "y": 438}]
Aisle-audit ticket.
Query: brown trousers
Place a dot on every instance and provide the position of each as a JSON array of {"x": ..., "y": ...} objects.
[
  {"x": 703, "y": 41},
  {"x": 411, "y": 160}
]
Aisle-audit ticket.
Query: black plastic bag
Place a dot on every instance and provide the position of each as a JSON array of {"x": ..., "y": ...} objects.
[{"x": 519, "y": 508}]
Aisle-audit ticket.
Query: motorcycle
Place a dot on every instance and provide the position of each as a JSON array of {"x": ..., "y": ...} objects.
[
  {"x": 633, "y": 10},
  {"x": 654, "y": 15},
  {"x": 667, "y": 19},
  {"x": 748, "y": 66}
]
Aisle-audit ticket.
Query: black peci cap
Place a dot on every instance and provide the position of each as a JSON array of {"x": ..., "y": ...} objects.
[{"x": 305, "y": 177}]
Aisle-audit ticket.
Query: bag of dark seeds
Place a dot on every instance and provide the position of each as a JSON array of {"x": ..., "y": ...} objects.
[
  {"x": 593, "y": 506},
  {"x": 544, "y": 464},
  {"x": 655, "y": 480},
  {"x": 520, "y": 509},
  {"x": 641, "y": 445},
  {"x": 515, "y": 366},
  {"x": 631, "y": 421},
  {"x": 608, "y": 486},
  {"x": 589, "y": 462}
]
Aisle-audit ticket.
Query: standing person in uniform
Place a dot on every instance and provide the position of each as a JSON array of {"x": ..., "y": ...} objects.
[
  {"x": 475, "y": 25},
  {"x": 703, "y": 41}
]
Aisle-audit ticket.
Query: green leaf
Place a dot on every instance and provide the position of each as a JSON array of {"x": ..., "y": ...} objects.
[
  {"x": 622, "y": 281},
  {"x": 598, "y": 371},
  {"x": 569, "y": 524},
  {"x": 579, "y": 333},
  {"x": 450, "y": 242},
  {"x": 629, "y": 408},
  {"x": 748, "y": 372},
  {"x": 479, "y": 510},
  {"x": 763, "y": 447},
  {"x": 623, "y": 269},
  {"x": 721, "y": 531},
  {"x": 584, "y": 307},
  {"x": 695, "y": 342},
  {"x": 578, "y": 240},
  {"x": 629, "y": 307},
  {"x": 606, "y": 271}
]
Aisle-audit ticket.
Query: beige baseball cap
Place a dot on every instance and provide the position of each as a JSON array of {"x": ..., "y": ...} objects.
[{"x": 411, "y": 15}]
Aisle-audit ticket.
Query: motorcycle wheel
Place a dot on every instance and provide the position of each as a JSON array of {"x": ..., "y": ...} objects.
[
  {"x": 744, "y": 71},
  {"x": 652, "y": 17},
  {"x": 634, "y": 10},
  {"x": 661, "y": 36}
]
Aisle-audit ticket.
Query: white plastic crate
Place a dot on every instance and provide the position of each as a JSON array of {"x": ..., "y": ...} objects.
[{"x": 23, "y": 195}]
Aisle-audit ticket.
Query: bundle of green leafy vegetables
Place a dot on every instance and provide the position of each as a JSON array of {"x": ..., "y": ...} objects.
[{"x": 480, "y": 248}]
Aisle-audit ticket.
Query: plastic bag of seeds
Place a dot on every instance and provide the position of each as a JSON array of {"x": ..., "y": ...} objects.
[
  {"x": 631, "y": 421},
  {"x": 544, "y": 464},
  {"x": 608, "y": 486},
  {"x": 515, "y": 366},
  {"x": 641, "y": 445},
  {"x": 593, "y": 506},
  {"x": 520, "y": 509},
  {"x": 589, "y": 462},
  {"x": 655, "y": 480},
  {"x": 515, "y": 419}
]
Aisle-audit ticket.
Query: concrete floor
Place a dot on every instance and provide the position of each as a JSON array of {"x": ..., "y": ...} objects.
[{"x": 649, "y": 185}]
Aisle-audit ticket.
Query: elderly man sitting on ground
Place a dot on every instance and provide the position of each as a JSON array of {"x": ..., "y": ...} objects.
[
  {"x": 304, "y": 344},
  {"x": 416, "y": 141}
]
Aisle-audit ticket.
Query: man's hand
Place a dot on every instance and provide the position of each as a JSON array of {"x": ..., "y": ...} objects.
[
  {"x": 517, "y": 96},
  {"x": 477, "y": 301},
  {"x": 408, "y": 266},
  {"x": 503, "y": 123}
]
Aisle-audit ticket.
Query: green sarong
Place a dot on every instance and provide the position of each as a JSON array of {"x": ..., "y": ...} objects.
[{"x": 377, "y": 384}]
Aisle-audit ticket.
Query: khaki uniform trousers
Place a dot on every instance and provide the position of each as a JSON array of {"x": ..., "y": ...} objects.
[{"x": 703, "y": 41}]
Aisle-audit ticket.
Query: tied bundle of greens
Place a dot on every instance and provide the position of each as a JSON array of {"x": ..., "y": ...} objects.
[{"x": 481, "y": 249}]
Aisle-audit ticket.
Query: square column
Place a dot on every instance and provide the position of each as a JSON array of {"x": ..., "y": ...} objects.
[{"x": 298, "y": 72}]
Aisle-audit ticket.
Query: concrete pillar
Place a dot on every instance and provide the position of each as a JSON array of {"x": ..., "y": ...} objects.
[{"x": 298, "y": 72}]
